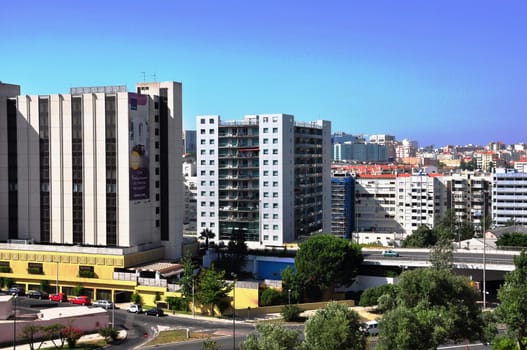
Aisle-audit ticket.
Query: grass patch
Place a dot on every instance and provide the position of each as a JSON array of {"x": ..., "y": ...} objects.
[
  {"x": 176, "y": 335},
  {"x": 81, "y": 346}
]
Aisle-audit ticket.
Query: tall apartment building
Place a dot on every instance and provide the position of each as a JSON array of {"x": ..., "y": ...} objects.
[
  {"x": 342, "y": 200},
  {"x": 191, "y": 188},
  {"x": 469, "y": 197},
  {"x": 357, "y": 151},
  {"x": 189, "y": 141},
  {"x": 509, "y": 197},
  {"x": 97, "y": 167},
  {"x": 398, "y": 203},
  {"x": 266, "y": 177},
  {"x": 387, "y": 141}
]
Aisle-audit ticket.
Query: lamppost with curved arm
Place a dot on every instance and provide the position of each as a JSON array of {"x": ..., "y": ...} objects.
[{"x": 14, "y": 323}]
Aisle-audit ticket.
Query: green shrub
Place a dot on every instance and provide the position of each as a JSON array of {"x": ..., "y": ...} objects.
[
  {"x": 179, "y": 304},
  {"x": 291, "y": 313},
  {"x": 502, "y": 342},
  {"x": 136, "y": 298},
  {"x": 157, "y": 296},
  {"x": 371, "y": 296},
  {"x": 270, "y": 297},
  {"x": 109, "y": 333}
]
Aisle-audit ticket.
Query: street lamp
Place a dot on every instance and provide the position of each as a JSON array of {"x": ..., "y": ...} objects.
[
  {"x": 57, "y": 282},
  {"x": 289, "y": 296},
  {"x": 484, "y": 252},
  {"x": 14, "y": 323},
  {"x": 234, "y": 311},
  {"x": 193, "y": 302}
]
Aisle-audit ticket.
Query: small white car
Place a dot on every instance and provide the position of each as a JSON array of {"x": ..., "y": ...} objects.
[
  {"x": 371, "y": 327},
  {"x": 135, "y": 308}
]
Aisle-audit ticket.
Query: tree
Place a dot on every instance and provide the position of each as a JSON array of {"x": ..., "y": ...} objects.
[
  {"x": 334, "y": 327},
  {"x": 31, "y": 333},
  {"x": 72, "y": 335},
  {"x": 513, "y": 301},
  {"x": 442, "y": 255},
  {"x": 435, "y": 306},
  {"x": 512, "y": 239},
  {"x": 328, "y": 261},
  {"x": 187, "y": 279},
  {"x": 270, "y": 296},
  {"x": 423, "y": 237},
  {"x": 295, "y": 282},
  {"x": 108, "y": 333},
  {"x": 212, "y": 287},
  {"x": 233, "y": 257},
  {"x": 136, "y": 298},
  {"x": 210, "y": 344},
  {"x": 206, "y": 234},
  {"x": 272, "y": 336}
]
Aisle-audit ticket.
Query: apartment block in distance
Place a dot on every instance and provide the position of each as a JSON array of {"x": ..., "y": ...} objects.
[
  {"x": 265, "y": 177},
  {"x": 90, "y": 184},
  {"x": 509, "y": 197}
]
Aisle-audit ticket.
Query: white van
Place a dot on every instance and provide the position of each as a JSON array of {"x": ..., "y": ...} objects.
[{"x": 371, "y": 327}]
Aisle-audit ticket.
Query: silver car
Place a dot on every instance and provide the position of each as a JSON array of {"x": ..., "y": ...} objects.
[{"x": 103, "y": 303}]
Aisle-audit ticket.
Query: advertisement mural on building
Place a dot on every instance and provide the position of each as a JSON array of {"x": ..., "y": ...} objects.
[{"x": 139, "y": 147}]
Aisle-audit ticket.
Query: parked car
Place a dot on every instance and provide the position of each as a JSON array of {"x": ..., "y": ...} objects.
[
  {"x": 136, "y": 308},
  {"x": 37, "y": 294},
  {"x": 80, "y": 300},
  {"x": 371, "y": 327},
  {"x": 390, "y": 253},
  {"x": 154, "y": 312},
  {"x": 16, "y": 291},
  {"x": 107, "y": 304},
  {"x": 58, "y": 297}
]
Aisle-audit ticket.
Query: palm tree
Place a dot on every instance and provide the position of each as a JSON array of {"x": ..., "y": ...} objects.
[{"x": 205, "y": 235}]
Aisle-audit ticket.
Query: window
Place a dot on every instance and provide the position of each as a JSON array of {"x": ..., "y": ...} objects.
[
  {"x": 202, "y": 121},
  {"x": 211, "y": 142},
  {"x": 275, "y": 227},
  {"x": 86, "y": 271},
  {"x": 203, "y": 162},
  {"x": 275, "y": 194},
  {"x": 275, "y": 183},
  {"x": 275, "y": 151},
  {"x": 211, "y": 162},
  {"x": 266, "y": 151},
  {"x": 212, "y": 224},
  {"x": 203, "y": 183},
  {"x": 266, "y": 173},
  {"x": 212, "y": 193},
  {"x": 266, "y": 194},
  {"x": 266, "y": 183},
  {"x": 275, "y": 172},
  {"x": 266, "y": 216},
  {"x": 275, "y": 205},
  {"x": 265, "y": 162},
  {"x": 275, "y": 130},
  {"x": 211, "y": 152},
  {"x": 211, "y": 214},
  {"x": 203, "y": 224},
  {"x": 266, "y": 237},
  {"x": 212, "y": 173},
  {"x": 266, "y": 130},
  {"x": 203, "y": 204},
  {"x": 202, "y": 142},
  {"x": 266, "y": 205},
  {"x": 202, "y": 152},
  {"x": 275, "y": 216},
  {"x": 275, "y": 162},
  {"x": 275, "y": 141},
  {"x": 275, "y": 238},
  {"x": 265, "y": 141},
  {"x": 35, "y": 268},
  {"x": 203, "y": 193},
  {"x": 203, "y": 172},
  {"x": 211, "y": 131},
  {"x": 265, "y": 119},
  {"x": 266, "y": 227},
  {"x": 211, "y": 121},
  {"x": 203, "y": 214},
  {"x": 202, "y": 131},
  {"x": 212, "y": 204},
  {"x": 212, "y": 183}
]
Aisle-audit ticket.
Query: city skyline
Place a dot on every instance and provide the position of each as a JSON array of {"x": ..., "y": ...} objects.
[{"x": 439, "y": 73}]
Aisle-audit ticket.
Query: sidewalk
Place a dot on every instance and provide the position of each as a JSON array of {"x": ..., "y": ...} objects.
[{"x": 88, "y": 338}]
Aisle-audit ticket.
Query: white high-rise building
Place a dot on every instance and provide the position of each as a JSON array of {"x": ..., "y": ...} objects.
[
  {"x": 265, "y": 177},
  {"x": 509, "y": 197},
  {"x": 97, "y": 167}
]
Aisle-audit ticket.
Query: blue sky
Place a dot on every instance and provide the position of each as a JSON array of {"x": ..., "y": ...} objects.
[{"x": 439, "y": 72}]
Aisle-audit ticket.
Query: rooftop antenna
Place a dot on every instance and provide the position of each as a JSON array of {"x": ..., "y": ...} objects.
[
  {"x": 154, "y": 76},
  {"x": 144, "y": 77}
]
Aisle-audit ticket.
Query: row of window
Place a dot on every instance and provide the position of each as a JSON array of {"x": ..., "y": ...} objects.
[{"x": 266, "y": 238}]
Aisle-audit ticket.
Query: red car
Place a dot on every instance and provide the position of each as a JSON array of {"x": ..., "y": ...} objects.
[
  {"x": 81, "y": 300},
  {"x": 58, "y": 297}
]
